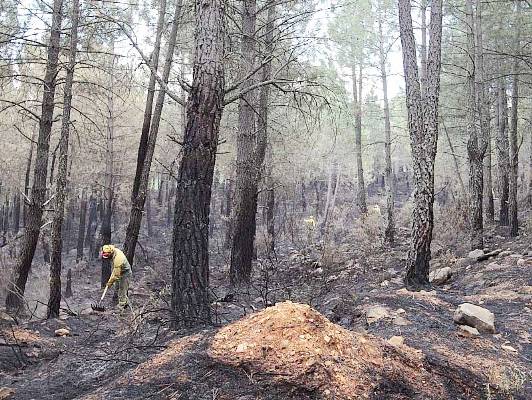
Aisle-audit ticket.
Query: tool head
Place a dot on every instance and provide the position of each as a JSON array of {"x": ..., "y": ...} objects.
[{"x": 98, "y": 307}]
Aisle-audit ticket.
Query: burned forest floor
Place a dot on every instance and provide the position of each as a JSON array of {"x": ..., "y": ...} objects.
[{"x": 364, "y": 336}]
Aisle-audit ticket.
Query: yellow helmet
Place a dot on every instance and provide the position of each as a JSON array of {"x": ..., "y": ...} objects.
[{"x": 108, "y": 250}]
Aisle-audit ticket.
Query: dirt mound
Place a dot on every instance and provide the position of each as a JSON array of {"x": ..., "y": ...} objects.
[{"x": 292, "y": 343}]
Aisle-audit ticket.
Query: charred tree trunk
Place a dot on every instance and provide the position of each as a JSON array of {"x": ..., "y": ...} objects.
[
  {"x": 143, "y": 144},
  {"x": 54, "y": 300},
  {"x": 17, "y": 284},
  {"x": 423, "y": 129},
  {"x": 190, "y": 262},
  {"x": 488, "y": 187},
  {"x": 137, "y": 203},
  {"x": 92, "y": 225},
  {"x": 357, "y": 104},
  {"x": 247, "y": 171},
  {"x": 81, "y": 227},
  {"x": 514, "y": 157}
]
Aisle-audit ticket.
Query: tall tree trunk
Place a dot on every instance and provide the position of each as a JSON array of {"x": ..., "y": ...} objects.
[
  {"x": 54, "y": 300},
  {"x": 503, "y": 156},
  {"x": 137, "y": 203},
  {"x": 477, "y": 143},
  {"x": 423, "y": 129},
  {"x": 27, "y": 180},
  {"x": 17, "y": 284},
  {"x": 263, "y": 141},
  {"x": 109, "y": 192},
  {"x": 16, "y": 213},
  {"x": 190, "y": 261},
  {"x": 389, "y": 233},
  {"x": 529, "y": 195},
  {"x": 331, "y": 189},
  {"x": 514, "y": 156},
  {"x": 81, "y": 226},
  {"x": 488, "y": 182},
  {"x": 357, "y": 104},
  {"x": 154, "y": 64},
  {"x": 92, "y": 224},
  {"x": 247, "y": 171}
]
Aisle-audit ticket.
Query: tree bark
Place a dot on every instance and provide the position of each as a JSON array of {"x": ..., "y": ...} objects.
[
  {"x": 92, "y": 225},
  {"x": 137, "y": 203},
  {"x": 423, "y": 129},
  {"x": 514, "y": 156},
  {"x": 503, "y": 156},
  {"x": 389, "y": 233},
  {"x": 54, "y": 300},
  {"x": 247, "y": 170},
  {"x": 357, "y": 105},
  {"x": 477, "y": 142},
  {"x": 17, "y": 284},
  {"x": 190, "y": 261},
  {"x": 81, "y": 227},
  {"x": 154, "y": 65},
  {"x": 27, "y": 180}
]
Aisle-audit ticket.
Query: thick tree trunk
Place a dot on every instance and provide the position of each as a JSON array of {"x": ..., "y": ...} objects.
[
  {"x": 137, "y": 203},
  {"x": 503, "y": 156},
  {"x": 357, "y": 104},
  {"x": 529, "y": 195},
  {"x": 423, "y": 129},
  {"x": 154, "y": 64},
  {"x": 17, "y": 284},
  {"x": 81, "y": 227},
  {"x": 54, "y": 300},
  {"x": 389, "y": 233},
  {"x": 247, "y": 170},
  {"x": 190, "y": 262}
]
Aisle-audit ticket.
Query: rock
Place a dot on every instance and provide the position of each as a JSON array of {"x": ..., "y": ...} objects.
[
  {"x": 400, "y": 321},
  {"x": 526, "y": 290},
  {"x": 62, "y": 332},
  {"x": 374, "y": 313},
  {"x": 467, "y": 331},
  {"x": 440, "y": 276},
  {"x": 508, "y": 348},
  {"x": 400, "y": 311},
  {"x": 6, "y": 317},
  {"x": 385, "y": 283},
  {"x": 462, "y": 262},
  {"x": 6, "y": 393},
  {"x": 505, "y": 253},
  {"x": 317, "y": 271},
  {"x": 396, "y": 340},
  {"x": 521, "y": 262},
  {"x": 241, "y": 347},
  {"x": 516, "y": 255},
  {"x": 474, "y": 254},
  {"x": 475, "y": 316}
]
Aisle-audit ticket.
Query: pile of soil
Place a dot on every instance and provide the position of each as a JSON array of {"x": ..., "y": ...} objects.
[{"x": 294, "y": 344}]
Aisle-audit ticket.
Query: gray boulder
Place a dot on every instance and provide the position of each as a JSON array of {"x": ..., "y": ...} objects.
[
  {"x": 475, "y": 316},
  {"x": 440, "y": 276}
]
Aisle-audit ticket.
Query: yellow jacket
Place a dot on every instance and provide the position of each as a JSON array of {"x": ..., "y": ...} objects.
[{"x": 120, "y": 265}]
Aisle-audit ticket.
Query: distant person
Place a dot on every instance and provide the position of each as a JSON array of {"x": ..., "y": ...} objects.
[
  {"x": 121, "y": 273},
  {"x": 310, "y": 224}
]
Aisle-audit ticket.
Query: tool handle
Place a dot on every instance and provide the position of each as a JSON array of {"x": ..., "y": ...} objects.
[{"x": 104, "y": 292}]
